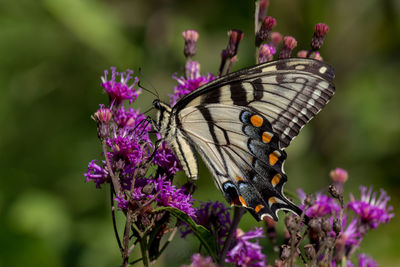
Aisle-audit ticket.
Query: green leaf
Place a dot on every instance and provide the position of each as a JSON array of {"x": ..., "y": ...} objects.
[{"x": 204, "y": 236}]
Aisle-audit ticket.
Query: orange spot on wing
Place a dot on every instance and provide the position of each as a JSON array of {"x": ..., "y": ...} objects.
[
  {"x": 272, "y": 200},
  {"x": 258, "y": 208},
  {"x": 266, "y": 137},
  {"x": 256, "y": 120},
  {"x": 239, "y": 179},
  {"x": 276, "y": 179},
  {"x": 273, "y": 157},
  {"x": 242, "y": 201}
]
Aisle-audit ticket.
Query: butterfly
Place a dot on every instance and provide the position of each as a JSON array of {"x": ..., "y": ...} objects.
[{"x": 241, "y": 123}]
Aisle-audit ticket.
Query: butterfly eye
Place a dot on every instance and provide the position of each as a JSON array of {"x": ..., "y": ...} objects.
[{"x": 156, "y": 104}]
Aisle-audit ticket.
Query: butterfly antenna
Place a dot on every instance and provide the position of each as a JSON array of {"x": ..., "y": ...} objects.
[{"x": 140, "y": 85}]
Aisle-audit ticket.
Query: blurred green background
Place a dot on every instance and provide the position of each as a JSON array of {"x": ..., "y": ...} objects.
[{"x": 53, "y": 52}]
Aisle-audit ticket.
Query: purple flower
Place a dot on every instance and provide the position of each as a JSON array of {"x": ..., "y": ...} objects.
[
  {"x": 215, "y": 217},
  {"x": 372, "y": 210},
  {"x": 193, "y": 81},
  {"x": 132, "y": 119},
  {"x": 199, "y": 261},
  {"x": 246, "y": 253},
  {"x": 169, "y": 195},
  {"x": 166, "y": 159},
  {"x": 323, "y": 205},
  {"x": 348, "y": 239},
  {"x": 122, "y": 203},
  {"x": 119, "y": 91},
  {"x": 350, "y": 236},
  {"x": 129, "y": 146},
  {"x": 138, "y": 189},
  {"x": 96, "y": 173},
  {"x": 366, "y": 261}
]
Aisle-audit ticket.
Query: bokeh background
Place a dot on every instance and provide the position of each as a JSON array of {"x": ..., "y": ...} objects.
[{"x": 53, "y": 52}]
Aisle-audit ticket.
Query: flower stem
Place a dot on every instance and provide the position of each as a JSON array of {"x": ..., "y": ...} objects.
[
  {"x": 237, "y": 214},
  {"x": 114, "y": 179},
  {"x": 113, "y": 219},
  {"x": 128, "y": 223}
]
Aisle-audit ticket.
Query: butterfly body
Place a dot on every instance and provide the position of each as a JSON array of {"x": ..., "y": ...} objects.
[{"x": 241, "y": 123}]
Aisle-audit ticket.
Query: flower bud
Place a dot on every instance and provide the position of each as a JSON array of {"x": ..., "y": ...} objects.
[
  {"x": 235, "y": 36},
  {"x": 339, "y": 175},
  {"x": 289, "y": 43},
  {"x": 190, "y": 37},
  {"x": 310, "y": 251},
  {"x": 264, "y": 54},
  {"x": 320, "y": 32},
  {"x": 266, "y": 27}
]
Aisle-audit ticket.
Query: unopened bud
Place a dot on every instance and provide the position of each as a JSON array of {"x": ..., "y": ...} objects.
[
  {"x": 310, "y": 251},
  {"x": 103, "y": 115},
  {"x": 190, "y": 37},
  {"x": 264, "y": 54},
  {"x": 235, "y": 36},
  {"x": 265, "y": 29},
  {"x": 263, "y": 9},
  {"x": 285, "y": 253},
  {"x": 339, "y": 175},
  {"x": 289, "y": 43},
  {"x": 320, "y": 32},
  {"x": 326, "y": 225},
  {"x": 337, "y": 226}
]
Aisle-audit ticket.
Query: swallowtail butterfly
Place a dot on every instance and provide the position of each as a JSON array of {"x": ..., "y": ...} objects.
[{"x": 241, "y": 124}]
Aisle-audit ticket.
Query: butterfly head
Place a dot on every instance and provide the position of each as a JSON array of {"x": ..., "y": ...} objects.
[{"x": 163, "y": 115}]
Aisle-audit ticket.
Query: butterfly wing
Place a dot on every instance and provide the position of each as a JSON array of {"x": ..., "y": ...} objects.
[
  {"x": 288, "y": 92},
  {"x": 241, "y": 123}
]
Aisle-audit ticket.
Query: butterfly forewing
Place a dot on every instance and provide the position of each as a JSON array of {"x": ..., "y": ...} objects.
[{"x": 241, "y": 123}]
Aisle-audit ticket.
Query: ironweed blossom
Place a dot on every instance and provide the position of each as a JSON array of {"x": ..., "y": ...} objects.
[
  {"x": 366, "y": 261},
  {"x": 189, "y": 84},
  {"x": 323, "y": 205},
  {"x": 120, "y": 90},
  {"x": 372, "y": 210},
  {"x": 199, "y": 261},
  {"x": 246, "y": 253}
]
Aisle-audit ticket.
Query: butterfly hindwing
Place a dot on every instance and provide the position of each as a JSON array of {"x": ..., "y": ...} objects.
[{"x": 242, "y": 153}]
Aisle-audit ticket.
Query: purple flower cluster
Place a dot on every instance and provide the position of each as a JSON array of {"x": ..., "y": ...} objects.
[
  {"x": 170, "y": 195},
  {"x": 331, "y": 215},
  {"x": 127, "y": 149},
  {"x": 193, "y": 81},
  {"x": 366, "y": 261},
  {"x": 97, "y": 173},
  {"x": 322, "y": 206},
  {"x": 199, "y": 261},
  {"x": 372, "y": 210},
  {"x": 214, "y": 216},
  {"x": 120, "y": 90},
  {"x": 246, "y": 253}
]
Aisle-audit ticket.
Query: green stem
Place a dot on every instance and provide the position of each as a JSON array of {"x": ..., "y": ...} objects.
[
  {"x": 143, "y": 249},
  {"x": 237, "y": 214}
]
